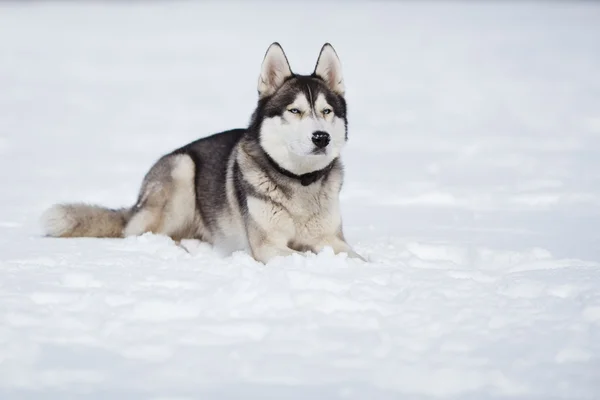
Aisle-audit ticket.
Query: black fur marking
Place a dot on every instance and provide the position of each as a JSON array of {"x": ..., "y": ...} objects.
[
  {"x": 305, "y": 179},
  {"x": 210, "y": 155},
  {"x": 238, "y": 185}
]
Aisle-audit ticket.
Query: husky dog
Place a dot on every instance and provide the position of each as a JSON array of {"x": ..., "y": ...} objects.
[{"x": 271, "y": 189}]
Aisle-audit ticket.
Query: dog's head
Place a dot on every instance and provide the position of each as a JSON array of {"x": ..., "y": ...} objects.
[{"x": 301, "y": 119}]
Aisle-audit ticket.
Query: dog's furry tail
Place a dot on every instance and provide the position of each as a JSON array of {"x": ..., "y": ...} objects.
[{"x": 85, "y": 220}]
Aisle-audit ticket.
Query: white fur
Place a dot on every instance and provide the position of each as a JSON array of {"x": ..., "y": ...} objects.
[
  {"x": 288, "y": 139},
  {"x": 80, "y": 219},
  {"x": 58, "y": 221}
]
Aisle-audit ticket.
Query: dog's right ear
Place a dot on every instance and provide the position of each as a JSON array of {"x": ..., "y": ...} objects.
[{"x": 274, "y": 71}]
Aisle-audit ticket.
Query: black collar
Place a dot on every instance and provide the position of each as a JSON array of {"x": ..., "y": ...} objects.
[{"x": 305, "y": 179}]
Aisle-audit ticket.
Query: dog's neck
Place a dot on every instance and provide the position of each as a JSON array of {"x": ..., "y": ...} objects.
[{"x": 304, "y": 179}]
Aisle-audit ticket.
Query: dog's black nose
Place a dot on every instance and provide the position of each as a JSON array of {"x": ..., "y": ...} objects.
[{"x": 320, "y": 139}]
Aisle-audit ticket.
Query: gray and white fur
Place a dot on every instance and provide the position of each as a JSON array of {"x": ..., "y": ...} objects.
[{"x": 271, "y": 189}]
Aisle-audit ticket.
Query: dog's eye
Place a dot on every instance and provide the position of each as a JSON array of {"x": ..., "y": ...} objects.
[
  {"x": 294, "y": 111},
  {"x": 327, "y": 111}
]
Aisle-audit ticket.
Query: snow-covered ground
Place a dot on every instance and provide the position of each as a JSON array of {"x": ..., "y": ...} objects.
[{"x": 473, "y": 186}]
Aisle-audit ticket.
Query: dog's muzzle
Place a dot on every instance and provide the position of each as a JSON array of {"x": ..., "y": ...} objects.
[{"x": 321, "y": 139}]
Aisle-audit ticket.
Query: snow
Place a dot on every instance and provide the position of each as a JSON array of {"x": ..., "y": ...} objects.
[{"x": 473, "y": 187}]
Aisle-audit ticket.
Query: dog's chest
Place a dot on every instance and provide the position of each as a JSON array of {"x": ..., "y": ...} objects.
[{"x": 314, "y": 211}]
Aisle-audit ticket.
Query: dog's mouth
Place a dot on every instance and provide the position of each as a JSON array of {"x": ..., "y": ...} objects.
[
  {"x": 307, "y": 161},
  {"x": 302, "y": 152}
]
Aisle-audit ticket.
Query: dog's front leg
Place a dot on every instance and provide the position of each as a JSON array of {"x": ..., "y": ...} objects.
[
  {"x": 268, "y": 244},
  {"x": 269, "y": 230}
]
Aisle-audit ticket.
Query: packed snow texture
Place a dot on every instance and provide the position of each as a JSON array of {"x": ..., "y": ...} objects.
[{"x": 472, "y": 186}]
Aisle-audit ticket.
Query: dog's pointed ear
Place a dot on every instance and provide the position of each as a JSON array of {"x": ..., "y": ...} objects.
[
  {"x": 329, "y": 68},
  {"x": 274, "y": 70}
]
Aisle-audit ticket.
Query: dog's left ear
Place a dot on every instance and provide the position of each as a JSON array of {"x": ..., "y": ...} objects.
[{"x": 329, "y": 68}]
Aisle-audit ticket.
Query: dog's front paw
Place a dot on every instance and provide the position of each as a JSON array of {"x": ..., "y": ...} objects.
[{"x": 267, "y": 254}]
